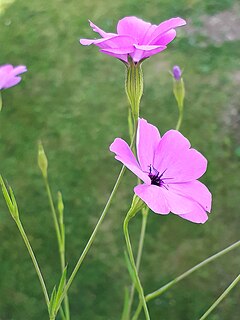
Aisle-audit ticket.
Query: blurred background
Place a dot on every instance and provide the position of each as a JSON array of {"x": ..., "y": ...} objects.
[{"x": 72, "y": 98}]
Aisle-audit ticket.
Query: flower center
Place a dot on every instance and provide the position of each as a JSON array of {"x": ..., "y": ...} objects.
[{"x": 155, "y": 176}]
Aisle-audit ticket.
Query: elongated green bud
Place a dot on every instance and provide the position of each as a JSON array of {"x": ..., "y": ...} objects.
[
  {"x": 10, "y": 200},
  {"x": 42, "y": 160},
  {"x": 134, "y": 87}
]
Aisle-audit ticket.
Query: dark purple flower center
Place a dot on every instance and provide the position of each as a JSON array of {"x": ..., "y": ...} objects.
[{"x": 155, "y": 176}]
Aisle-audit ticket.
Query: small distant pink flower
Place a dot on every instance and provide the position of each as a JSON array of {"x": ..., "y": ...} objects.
[
  {"x": 135, "y": 38},
  {"x": 169, "y": 168},
  {"x": 9, "y": 75}
]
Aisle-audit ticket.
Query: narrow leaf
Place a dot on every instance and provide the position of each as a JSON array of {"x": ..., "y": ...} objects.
[
  {"x": 52, "y": 302},
  {"x": 61, "y": 284}
]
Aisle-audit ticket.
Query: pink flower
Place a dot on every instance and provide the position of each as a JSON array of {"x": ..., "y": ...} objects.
[
  {"x": 169, "y": 168},
  {"x": 135, "y": 38},
  {"x": 9, "y": 75}
]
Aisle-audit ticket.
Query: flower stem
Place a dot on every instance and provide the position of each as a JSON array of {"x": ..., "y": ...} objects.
[
  {"x": 180, "y": 118},
  {"x": 139, "y": 253},
  {"x": 225, "y": 293},
  {"x": 134, "y": 268},
  {"x": 61, "y": 242},
  {"x": 158, "y": 292},
  {"x": 34, "y": 260}
]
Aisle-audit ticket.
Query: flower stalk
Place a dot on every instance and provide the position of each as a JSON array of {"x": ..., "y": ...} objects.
[{"x": 136, "y": 206}]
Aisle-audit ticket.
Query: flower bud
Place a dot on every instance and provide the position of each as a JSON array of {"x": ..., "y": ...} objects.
[
  {"x": 178, "y": 86},
  {"x": 177, "y": 73},
  {"x": 42, "y": 160}
]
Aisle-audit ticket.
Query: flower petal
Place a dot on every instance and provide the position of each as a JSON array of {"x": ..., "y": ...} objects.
[
  {"x": 100, "y": 31},
  {"x": 125, "y": 155},
  {"x": 145, "y": 51},
  {"x": 12, "y": 81},
  {"x": 178, "y": 204},
  {"x": 110, "y": 52},
  {"x": 154, "y": 198},
  {"x": 133, "y": 26},
  {"x": 148, "y": 138},
  {"x": 194, "y": 190},
  {"x": 165, "y": 27},
  {"x": 197, "y": 215},
  {"x": 18, "y": 70},
  {"x": 121, "y": 43},
  {"x": 166, "y": 38},
  {"x": 88, "y": 42},
  {"x": 174, "y": 157}
]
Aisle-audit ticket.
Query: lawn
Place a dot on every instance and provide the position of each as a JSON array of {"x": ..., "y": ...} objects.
[{"x": 72, "y": 98}]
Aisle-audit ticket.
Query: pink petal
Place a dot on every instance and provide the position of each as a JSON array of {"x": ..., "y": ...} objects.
[
  {"x": 12, "y": 82},
  {"x": 18, "y": 70},
  {"x": 6, "y": 68},
  {"x": 170, "y": 146},
  {"x": 165, "y": 27},
  {"x": 100, "y": 31},
  {"x": 117, "y": 45},
  {"x": 148, "y": 138},
  {"x": 154, "y": 198},
  {"x": 190, "y": 165},
  {"x": 179, "y": 163},
  {"x": 194, "y": 190},
  {"x": 178, "y": 204},
  {"x": 166, "y": 38},
  {"x": 134, "y": 27},
  {"x": 197, "y": 215},
  {"x": 88, "y": 42},
  {"x": 123, "y": 57},
  {"x": 125, "y": 155},
  {"x": 148, "y": 34},
  {"x": 145, "y": 51},
  {"x": 114, "y": 51}
]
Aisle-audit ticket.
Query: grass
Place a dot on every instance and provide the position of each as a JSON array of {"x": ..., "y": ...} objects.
[{"x": 72, "y": 98}]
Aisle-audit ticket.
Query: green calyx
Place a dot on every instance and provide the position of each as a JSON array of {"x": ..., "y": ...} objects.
[
  {"x": 136, "y": 206},
  {"x": 179, "y": 92},
  {"x": 134, "y": 87}
]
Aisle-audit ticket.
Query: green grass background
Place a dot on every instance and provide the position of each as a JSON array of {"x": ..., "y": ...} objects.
[{"x": 73, "y": 99}]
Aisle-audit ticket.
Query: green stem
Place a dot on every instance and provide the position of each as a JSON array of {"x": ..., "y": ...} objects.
[
  {"x": 131, "y": 257},
  {"x": 34, "y": 260},
  {"x": 180, "y": 118},
  {"x": 139, "y": 253},
  {"x": 158, "y": 292},
  {"x": 53, "y": 211},
  {"x": 225, "y": 293},
  {"x": 61, "y": 242},
  {"x": 137, "y": 312}
]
